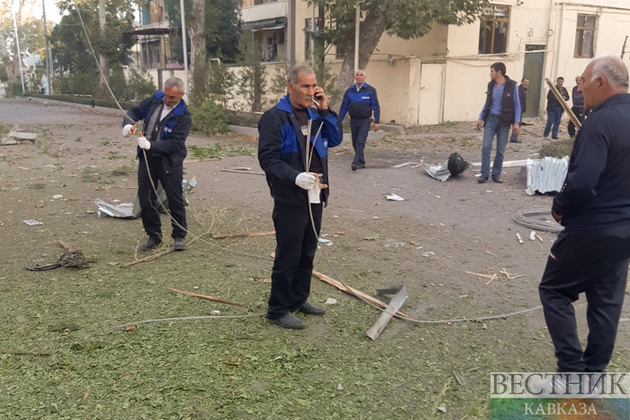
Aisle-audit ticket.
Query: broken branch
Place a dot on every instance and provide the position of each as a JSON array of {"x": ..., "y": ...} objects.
[{"x": 212, "y": 298}]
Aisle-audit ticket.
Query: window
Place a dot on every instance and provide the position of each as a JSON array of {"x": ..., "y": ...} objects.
[
  {"x": 584, "y": 36},
  {"x": 494, "y": 30}
]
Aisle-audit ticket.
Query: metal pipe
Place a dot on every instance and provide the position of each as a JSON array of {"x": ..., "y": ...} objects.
[
  {"x": 19, "y": 57},
  {"x": 46, "y": 51},
  {"x": 356, "y": 38},
  {"x": 181, "y": 5},
  {"x": 557, "y": 63}
]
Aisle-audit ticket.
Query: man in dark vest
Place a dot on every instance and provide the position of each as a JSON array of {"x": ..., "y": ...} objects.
[{"x": 501, "y": 110}]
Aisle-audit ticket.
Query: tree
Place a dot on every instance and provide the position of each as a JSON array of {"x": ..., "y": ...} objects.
[
  {"x": 406, "y": 19},
  {"x": 70, "y": 47},
  {"x": 222, "y": 28},
  {"x": 30, "y": 34}
]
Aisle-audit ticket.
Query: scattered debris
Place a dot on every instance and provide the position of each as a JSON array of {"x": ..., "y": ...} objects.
[
  {"x": 15, "y": 135},
  {"x": 69, "y": 258},
  {"x": 326, "y": 242},
  {"x": 532, "y": 236},
  {"x": 330, "y": 301},
  {"x": 518, "y": 236},
  {"x": 453, "y": 166},
  {"x": 57, "y": 196},
  {"x": 242, "y": 171},
  {"x": 546, "y": 175},
  {"x": 539, "y": 238},
  {"x": 357, "y": 293},
  {"x": 339, "y": 387},
  {"x": 371, "y": 238},
  {"x": 32, "y": 222},
  {"x": 403, "y": 164},
  {"x": 123, "y": 210},
  {"x": 244, "y": 235},
  {"x": 394, "y": 197},
  {"x": 538, "y": 218},
  {"x": 393, "y": 307},
  {"x": 388, "y": 290},
  {"x": 212, "y": 298},
  {"x": 427, "y": 254}
]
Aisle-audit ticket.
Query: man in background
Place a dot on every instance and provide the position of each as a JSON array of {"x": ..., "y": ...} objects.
[
  {"x": 166, "y": 126},
  {"x": 554, "y": 109},
  {"x": 360, "y": 101},
  {"x": 578, "y": 105},
  {"x": 522, "y": 96}
]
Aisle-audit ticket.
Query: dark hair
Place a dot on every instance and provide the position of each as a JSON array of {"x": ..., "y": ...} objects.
[{"x": 499, "y": 66}]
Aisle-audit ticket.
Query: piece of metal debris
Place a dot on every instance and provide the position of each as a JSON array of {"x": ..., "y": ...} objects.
[
  {"x": 32, "y": 222},
  {"x": 394, "y": 197},
  {"x": 123, "y": 210},
  {"x": 393, "y": 307},
  {"x": 330, "y": 301}
]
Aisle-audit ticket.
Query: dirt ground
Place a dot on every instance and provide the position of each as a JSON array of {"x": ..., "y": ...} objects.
[{"x": 427, "y": 242}]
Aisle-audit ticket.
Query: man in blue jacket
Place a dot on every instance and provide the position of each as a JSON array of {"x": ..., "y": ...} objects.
[
  {"x": 591, "y": 254},
  {"x": 295, "y": 173},
  {"x": 166, "y": 127},
  {"x": 359, "y": 102}
]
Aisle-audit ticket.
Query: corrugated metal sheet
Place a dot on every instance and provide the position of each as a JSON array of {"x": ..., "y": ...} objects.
[{"x": 546, "y": 175}]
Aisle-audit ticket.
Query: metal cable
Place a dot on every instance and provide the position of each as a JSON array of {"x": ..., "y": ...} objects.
[{"x": 525, "y": 217}]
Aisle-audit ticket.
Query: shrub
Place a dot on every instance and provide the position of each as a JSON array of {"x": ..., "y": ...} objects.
[{"x": 210, "y": 118}]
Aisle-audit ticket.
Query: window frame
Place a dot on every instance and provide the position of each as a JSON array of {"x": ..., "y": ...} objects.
[
  {"x": 494, "y": 20},
  {"x": 580, "y": 32}
]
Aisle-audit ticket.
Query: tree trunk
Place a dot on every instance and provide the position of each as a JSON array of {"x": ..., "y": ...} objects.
[
  {"x": 371, "y": 30},
  {"x": 197, "y": 34},
  {"x": 103, "y": 59}
]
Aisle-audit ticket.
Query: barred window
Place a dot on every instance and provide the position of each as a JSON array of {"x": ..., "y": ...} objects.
[{"x": 494, "y": 30}]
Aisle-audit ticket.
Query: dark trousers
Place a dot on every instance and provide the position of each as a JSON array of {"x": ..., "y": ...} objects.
[
  {"x": 594, "y": 262},
  {"x": 295, "y": 249},
  {"x": 172, "y": 184},
  {"x": 579, "y": 113},
  {"x": 360, "y": 129}
]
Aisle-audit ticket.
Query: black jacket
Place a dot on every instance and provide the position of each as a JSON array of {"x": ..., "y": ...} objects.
[
  {"x": 281, "y": 149},
  {"x": 552, "y": 102},
  {"x": 173, "y": 131},
  {"x": 596, "y": 191},
  {"x": 507, "y": 102}
]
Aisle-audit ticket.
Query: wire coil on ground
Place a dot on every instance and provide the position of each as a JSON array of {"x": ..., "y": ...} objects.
[{"x": 526, "y": 217}]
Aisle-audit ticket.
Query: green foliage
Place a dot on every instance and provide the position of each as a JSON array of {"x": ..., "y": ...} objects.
[
  {"x": 76, "y": 83},
  {"x": 252, "y": 83},
  {"x": 199, "y": 90},
  {"x": 221, "y": 82},
  {"x": 278, "y": 87},
  {"x": 206, "y": 152},
  {"x": 210, "y": 118},
  {"x": 118, "y": 84},
  {"x": 325, "y": 77},
  {"x": 70, "y": 47},
  {"x": 140, "y": 83},
  {"x": 222, "y": 28}
]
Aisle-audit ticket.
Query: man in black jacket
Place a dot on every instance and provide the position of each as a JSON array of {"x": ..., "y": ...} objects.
[
  {"x": 522, "y": 97},
  {"x": 591, "y": 254},
  {"x": 360, "y": 101},
  {"x": 295, "y": 171},
  {"x": 166, "y": 127},
  {"x": 501, "y": 109},
  {"x": 555, "y": 110}
]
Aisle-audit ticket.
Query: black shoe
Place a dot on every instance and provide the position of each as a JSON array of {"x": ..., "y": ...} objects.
[
  {"x": 554, "y": 138},
  {"x": 515, "y": 141},
  {"x": 309, "y": 308},
  {"x": 497, "y": 180},
  {"x": 153, "y": 242},
  {"x": 180, "y": 244},
  {"x": 361, "y": 167},
  {"x": 482, "y": 179},
  {"x": 354, "y": 167},
  {"x": 288, "y": 321}
]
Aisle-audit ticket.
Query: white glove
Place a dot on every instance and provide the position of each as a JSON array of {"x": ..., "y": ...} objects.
[
  {"x": 143, "y": 143},
  {"x": 128, "y": 129},
  {"x": 305, "y": 180}
]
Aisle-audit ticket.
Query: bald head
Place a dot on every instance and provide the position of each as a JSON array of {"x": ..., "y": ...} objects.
[{"x": 605, "y": 76}]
